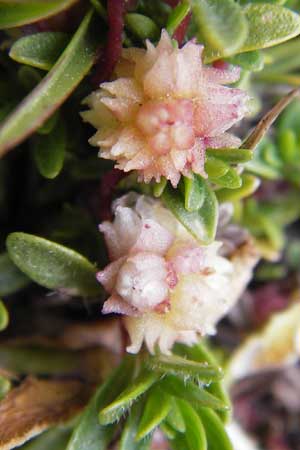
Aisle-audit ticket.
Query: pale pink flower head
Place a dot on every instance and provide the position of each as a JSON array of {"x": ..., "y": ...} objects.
[
  {"x": 169, "y": 286},
  {"x": 164, "y": 109}
]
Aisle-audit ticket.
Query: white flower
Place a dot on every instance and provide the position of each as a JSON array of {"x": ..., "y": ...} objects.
[{"x": 169, "y": 286}]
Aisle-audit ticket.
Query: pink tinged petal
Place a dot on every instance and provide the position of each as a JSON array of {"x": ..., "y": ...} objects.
[
  {"x": 121, "y": 235},
  {"x": 222, "y": 76},
  {"x": 224, "y": 140},
  {"x": 108, "y": 276},
  {"x": 165, "y": 43},
  {"x": 105, "y": 137},
  {"x": 188, "y": 65},
  {"x": 188, "y": 260},
  {"x": 139, "y": 162},
  {"x": 129, "y": 143},
  {"x": 212, "y": 119},
  {"x": 179, "y": 159},
  {"x": 168, "y": 169},
  {"x": 115, "y": 304},
  {"x": 159, "y": 80},
  {"x": 197, "y": 158},
  {"x": 153, "y": 238},
  {"x": 125, "y": 88},
  {"x": 141, "y": 281},
  {"x": 124, "y": 109}
]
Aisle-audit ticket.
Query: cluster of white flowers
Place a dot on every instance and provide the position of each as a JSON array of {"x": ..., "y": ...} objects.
[{"x": 169, "y": 287}]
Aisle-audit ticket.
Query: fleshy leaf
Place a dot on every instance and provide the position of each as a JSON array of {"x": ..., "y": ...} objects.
[
  {"x": 156, "y": 410},
  {"x": 128, "y": 441},
  {"x": 4, "y": 318},
  {"x": 49, "y": 151},
  {"x": 249, "y": 185},
  {"x": 142, "y": 26},
  {"x": 191, "y": 392},
  {"x": 221, "y": 25},
  {"x": 253, "y": 61},
  {"x": 230, "y": 155},
  {"x": 52, "y": 265},
  {"x": 216, "y": 435},
  {"x": 175, "y": 418},
  {"x": 39, "y": 50},
  {"x": 195, "y": 432},
  {"x": 50, "y": 93},
  {"x": 200, "y": 353},
  {"x": 14, "y": 13},
  {"x": 194, "y": 193},
  {"x": 88, "y": 434},
  {"x": 11, "y": 278},
  {"x": 116, "y": 409},
  {"x": 202, "y": 223},
  {"x": 231, "y": 179},
  {"x": 185, "y": 367},
  {"x": 269, "y": 25},
  {"x": 215, "y": 168}
]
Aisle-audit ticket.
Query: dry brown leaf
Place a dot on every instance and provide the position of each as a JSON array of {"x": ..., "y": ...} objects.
[{"x": 37, "y": 405}]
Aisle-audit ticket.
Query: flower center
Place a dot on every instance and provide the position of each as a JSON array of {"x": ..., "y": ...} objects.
[{"x": 167, "y": 125}]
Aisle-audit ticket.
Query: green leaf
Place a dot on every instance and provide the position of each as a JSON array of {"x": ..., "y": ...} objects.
[
  {"x": 201, "y": 224},
  {"x": 128, "y": 441},
  {"x": 55, "y": 438},
  {"x": 116, "y": 409},
  {"x": 231, "y": 155},
  {"x": 89, "y": 434},
  {"x": 49, "y": 151},
  {"x": 4, "y": 317},
  {"x": 216, "y": 435},
  {"x": 5, "y": 386},
  {"x": 260, "y": 167},
  {"x": 290, "y": 118},
  {"x": 39, "y": 50},
  {"x": 50, "y": 123},
  {"x": 252, "y": 61},
  {"x": 195, "y": 432},
  {"x": 14, "y": 13},
  {"x": 194, "y": 193},
  {"x": 69, "y": 70},
  {"x": 177, "y": 15},
  {"x": 215, "y": 168},
  {"x": 249, "y": 185},
  {"x": 269, "y": 25},
  {"x": 52, "y": 265},
  {"x": 190, "y": 392},
  {"x": 157, "y": 407},
  {"x": 200, "y": 353},
  {"x": 11, "y": 278},
  {"x": 221, "y": 24},
  {"x": 175, "y": 418},
  {"x": 231, "y": 180},
  {"x": 142, "y": 26},
  {"x": 185, "y": 367}
]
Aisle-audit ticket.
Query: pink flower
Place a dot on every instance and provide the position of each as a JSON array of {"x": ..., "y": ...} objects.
[
  {"x": 164, "y": 109},
  {"x": 169, "y": 287}
]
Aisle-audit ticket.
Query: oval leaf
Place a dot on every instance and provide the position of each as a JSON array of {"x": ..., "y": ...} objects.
[
  {"x": 195, "y": 432},
  {"x": 201, "y": 224},
  {"x": 51, "y": 92},
  {"x": 231, "y": 155},
  {"x": 128, "y": 441},
  {"x": 142, "y": 26},
  {"x": 194, "y": 194},
  {"x": 52, "y": 265},
  {"x": 231, "y": 179},
  {"x": 14, "y": 13},
  {"x": 156, "y": 410},
  {"x": 116, "y": 409},
  {"x": 11, "y": 278},
  {"x": 39, "y": 50},
  {"x": 269, "y": 25},
  {"x": 216, "y": 435},
  {"x": 221, "y": 24},
  {"x": 49, "y": 151},
  {"x": 185, "y": 367},
  {"x": 249, "y": 185}
]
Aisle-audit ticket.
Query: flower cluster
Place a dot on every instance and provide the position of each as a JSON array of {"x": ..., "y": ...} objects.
[
  {"x": 169, "y": 287},
  {"x": 164, "y": 109}
]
